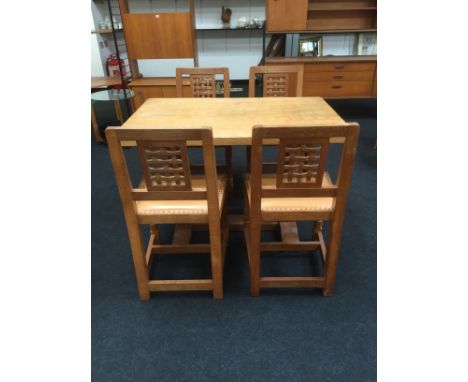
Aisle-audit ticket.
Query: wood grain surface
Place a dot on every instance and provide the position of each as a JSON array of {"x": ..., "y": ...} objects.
[{"x": 232, "y": 119}]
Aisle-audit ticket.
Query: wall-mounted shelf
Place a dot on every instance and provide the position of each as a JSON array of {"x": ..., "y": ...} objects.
[
  {"x": 105, "y": 31},
  {"x": 341, "y": 14},
  {"x": 202, "y": 29},
  {"x": 314, "y": 8},
  {"x": 342, "y": 4},
  {"x": 220, "y": 27},
  {"x": 328, "y": 31}
]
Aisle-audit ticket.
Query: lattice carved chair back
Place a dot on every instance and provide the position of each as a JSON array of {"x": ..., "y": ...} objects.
[
  {"x": 202, "y": 81},
  {"x": 278, "y": 81},
  {"x": 164, "y": 162},
  {"x": 302, "y": 160},
  {"x": 165, "y": 165}
]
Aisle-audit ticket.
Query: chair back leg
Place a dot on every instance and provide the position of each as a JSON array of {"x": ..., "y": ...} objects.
[
  {"x": 332, "y": 255},
  {"x": 216, "y": 259},
  {"x": 254, "y": 251}
]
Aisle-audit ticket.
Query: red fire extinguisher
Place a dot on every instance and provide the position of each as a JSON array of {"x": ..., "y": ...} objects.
[{"x": 112, "y": 67}]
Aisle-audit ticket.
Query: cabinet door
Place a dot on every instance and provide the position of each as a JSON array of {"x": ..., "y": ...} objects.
[
  {"x": 163, "y": 35},
  {"x": 287, "y": 15}
]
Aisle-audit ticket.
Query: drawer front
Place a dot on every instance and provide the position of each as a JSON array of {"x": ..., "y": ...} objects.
[
  {"x": 340, "y": 67},
  {"x": 338, "y": 89},
  {"x": 364, "y": 76}
]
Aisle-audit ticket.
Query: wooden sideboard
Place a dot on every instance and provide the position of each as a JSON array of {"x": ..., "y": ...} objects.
[
  {"x": 328, "y": 77},
  {"x": 152, "y": 87},
  {"x": 336, "y": 77}
]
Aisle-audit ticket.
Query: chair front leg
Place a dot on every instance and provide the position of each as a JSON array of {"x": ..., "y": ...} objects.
[{"x": 139, "y": 259}]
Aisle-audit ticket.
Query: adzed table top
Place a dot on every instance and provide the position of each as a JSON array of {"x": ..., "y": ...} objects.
[{"x": 232, "y": 119}]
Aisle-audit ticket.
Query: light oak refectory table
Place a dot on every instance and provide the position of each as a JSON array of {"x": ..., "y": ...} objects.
[{"x": 232, "y": 119}]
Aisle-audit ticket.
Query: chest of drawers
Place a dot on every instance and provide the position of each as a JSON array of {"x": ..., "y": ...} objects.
[{"x": 336, "y": 77}]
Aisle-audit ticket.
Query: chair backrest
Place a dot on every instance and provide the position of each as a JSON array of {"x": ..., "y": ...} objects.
[
  {"x": 302, "y": 158},
  {"x": 164, "y": 163},
  {"x": 278, "y": 80},
  {"x": 202, "y": 81}
]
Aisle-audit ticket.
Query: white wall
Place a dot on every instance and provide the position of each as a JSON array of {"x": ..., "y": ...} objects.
[
  {"x": 338, "y": 44},
  {"x": 97, "y": 68}
]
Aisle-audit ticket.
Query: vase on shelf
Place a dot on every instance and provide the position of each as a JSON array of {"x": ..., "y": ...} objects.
[{"x": 226, "y": 15}]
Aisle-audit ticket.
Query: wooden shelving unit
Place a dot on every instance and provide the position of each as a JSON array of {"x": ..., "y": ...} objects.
[
  {"x": 353, "y": 15},
  {"x": 335, "y": 76},
  {"x": 321, "y": 15}
]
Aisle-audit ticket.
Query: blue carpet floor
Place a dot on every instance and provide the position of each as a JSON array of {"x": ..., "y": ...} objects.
[{"x": 283, "y": 335}]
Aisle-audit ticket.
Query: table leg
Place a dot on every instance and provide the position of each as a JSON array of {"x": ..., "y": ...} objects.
[
  {"x": 95, "y": 126},
  {"x": 118, "y": 111}
]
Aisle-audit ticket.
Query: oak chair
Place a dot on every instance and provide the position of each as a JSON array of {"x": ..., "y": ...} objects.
[
  {"x": 169, "y": 194},
  {"x": 299, "y": 190},
  {"x": 278, "y": 80},
  {"x": 203, "y": 85}
]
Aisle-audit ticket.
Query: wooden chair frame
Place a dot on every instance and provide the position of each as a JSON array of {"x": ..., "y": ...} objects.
[
  {"x": 277, "y": 70},
  {"x": 215, "y": 219},
  {"x": 255, "y": 217},
  {"x": 212, "y": 72}
]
